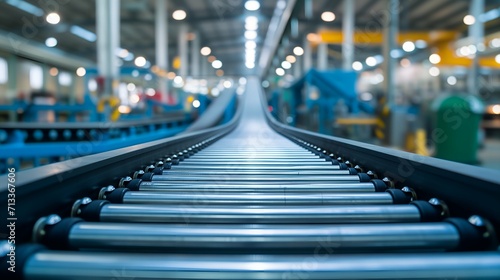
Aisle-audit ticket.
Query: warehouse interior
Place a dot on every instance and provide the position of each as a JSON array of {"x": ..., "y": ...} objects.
[{"x": 250, "y": 139}]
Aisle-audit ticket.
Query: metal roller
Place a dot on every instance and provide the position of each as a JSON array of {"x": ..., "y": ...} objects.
[
  {"x": 248, "y": 187},
  {"x": 257, "y": 167},
  {"x": 38, "y": 263},
  {"x": 102, "y": 210},
  {"x": 74, "y": 233},
  {"x": 263, "y": 172},
  {"x": 123, "y": 195}
]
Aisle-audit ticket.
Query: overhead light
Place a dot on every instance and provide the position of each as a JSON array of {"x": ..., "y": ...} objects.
[
  {"x": 469, "y": 20},
  {"x": 53, "y": 18},
  {"x": 495, "y": 43},
  {"x": 25, "y": 6},
  {"x": 227, "y": 84},
  {"x": 286, "y": 65},
  {"x": 122, "y": 53},
  {"x": 435, "y": 58},
  {"x": 357, "y": 66},
  {"x": 371, "y": 61},
  {"x": 53, "y": 71},
  {"x": 280, "y": 71},
  {"x": 211, "y": 58},
  {"x": 434, "y": 71},
  {"x": 451, "y": 80},
  {"x": 252, "y": 5},
  {"x": 251, "y": 20},
  {"x": 291, "y": 58},
  {"x": 250, "y": 35},
  {"x": 421, "y": 44},
  {"x": 298, "y": 51},
  {"x": 250, "y": 26},
  {"x": 140, "y": 61},
  {"x": 397, "y": 53},
  {"x": 219, "y": 73},
  {"x": 205, "y": 51},
  {"x": 51, "y": 42},
  {"x": 313, "y": 37},
  {"x": 328, "y": 16},
  {"x": 250, "y": 65},
  {"x": 83, "y": 33},
  {"x": 80, "y": 72},
  {"x": 408, "y": 46},
  {"x": 216, "y": 64},
  {"x": 250, "y": 45},
  {"x": 497, "y": 58},
  {"x": 179, "y": 14},
  {"x": 405, "y": 63}
]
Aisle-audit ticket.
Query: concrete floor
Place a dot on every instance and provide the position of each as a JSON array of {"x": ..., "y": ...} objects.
[{"x": 489, "y": 155}]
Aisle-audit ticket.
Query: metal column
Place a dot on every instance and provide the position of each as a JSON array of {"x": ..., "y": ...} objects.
[
  {"x": 348, "y": 33},
  {"x": 322, "y": 56},
  {"x": 108, "y": 41},
  {"x": 12, "y": 83},
  {"x": 307, "y": 58},
  {"x": 195, "y": 56},
  {"x": 182, "y": 50},
  {"x": 476, "y": 33},
  {"x": 161, "y": 30},
  {"x": 297, "y": 68},
  {"x": 391, "y": 26}
]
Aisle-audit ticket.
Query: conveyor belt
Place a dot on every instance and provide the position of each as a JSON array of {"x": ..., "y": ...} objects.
[{"x": 257, "y": 205}]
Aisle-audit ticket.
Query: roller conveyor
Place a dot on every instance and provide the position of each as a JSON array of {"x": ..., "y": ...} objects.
[{"x": 255, "y": 205}]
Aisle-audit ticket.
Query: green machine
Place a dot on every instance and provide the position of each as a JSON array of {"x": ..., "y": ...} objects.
[{"x": 456, "y": 127}]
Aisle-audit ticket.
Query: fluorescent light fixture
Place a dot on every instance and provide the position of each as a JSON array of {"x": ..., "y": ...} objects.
[
  {"x": 205, "y": 51},
  {"x": 371, "y": 61},
  {"x": 83, "y": 33},
  {"x": 286, "y": 65},
  {"x": 53, "y": 18},
  {"x": 357, "y": 66},
  {"x": 51, "y": 42},
  {"x": 140, "y": 61},
  {"x": 179, "y": 14},
  {"x": 298, "y": 51},
  {"x": 250, "y": 45},
  {"x": 250, "y": 35},
  {"x": 251, "y": 26},
  {"x": 328, "y": 16},
  {"x": 408, "y": 46},
  {"x": 280, "y": 71},
  {"x": 252, "y": 5},
  {"x": 80, "y": 72},
  {"x": 251, "y": 20},
  {"x": 469, "y": 20},
  {"x": 291, "y": 58},
  {"x": 25, "y": 6},
  {"x": 217, "y": 64}
]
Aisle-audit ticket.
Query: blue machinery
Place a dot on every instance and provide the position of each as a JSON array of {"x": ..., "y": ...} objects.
[{"x": 322, "y": 92}]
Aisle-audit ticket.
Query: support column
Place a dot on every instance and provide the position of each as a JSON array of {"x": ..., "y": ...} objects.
[
  {"x": 195, "y": 56},
  {"x": 182, "y": 50},
  {"x": 322, "y": 56},
  {"x": 161, "y": 48},
  {"x": 476, "y": 33},
  {"x": 297, "y": 68},
  {"x": 108, "y": 41},
  {"x": 12, "y": 83},
  {"x": 307, "y": 58},
  {"x": 391, "y": 26},
  {"x": 348, "y": 33}
]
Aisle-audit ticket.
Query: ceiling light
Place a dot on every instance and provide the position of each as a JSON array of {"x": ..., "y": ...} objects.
[
  {"x": 80, "y": 72},
  {"x": 250, "y": 45},
  {"x": 250, "y": 35},
  {"x": 122, "y": 53},
  {"x": 435, "y": 58},
  {"x": 140, "y": 61},
  {"x": 434, "y": 71},
  {"x": 251, "y": 20},
  {"x": 451, "y": 80},
  {"x": 408, "y": 46},
  {"x": 298, "y": 51},
  {"x": 252, "y": 5},
  {"x": 83, "y": 33},
  {"x": 219, "y": 73},
  {"x": 25, "y": 6},
  {"x": 371, "y": 61},
  {"x": 53, "y": 18},
  {"x": 179, "y": 14},
  {"x": 495, "y": 43},
  {"x": 211, "y": 58},
  {"x": 286, "y": 65},
  {"x": 469, "y": 20},
  {"x": 250, "y": 65},
  {"x": 205, "y": 51},
  {"x": 53, "y": 71},
  {"x": 250, "y": 26},
  {"x": 196, "y": 103},
  {"x": 421, "y": 44},
  {"x": 405, "y": 63},
  {"x": 280, "y": 71},
  {"x": 357, "y": 66},
  {"x": 51, "y": 42},
  {"x": 216, "y": 64},
  {"x": 291, "y": 58},
  {"x": 328, "y": 16},
  {"x": 497, "y": 58}
]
